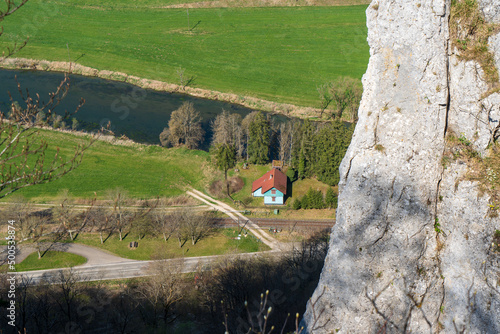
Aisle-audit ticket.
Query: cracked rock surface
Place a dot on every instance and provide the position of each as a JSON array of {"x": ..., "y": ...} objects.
[{"x": 388, "y": 268}]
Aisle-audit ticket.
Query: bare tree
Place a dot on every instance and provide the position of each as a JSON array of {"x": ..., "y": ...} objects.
[
  {"x": 66, "y": 291},
  {"x": 64, "y": 213},
  {"x": 8, "y": 9},
  {"x": 20, "y": 209},
  {"x": 101, "y": 222},
  {"x": 23, "y": 160},
  {"x": 163, "y": 221},
  {"x": 284, "y": 140},
  {"x": 226, "y": 129},
  {"x": 121, "y": 216},
  {"x": 197, "y": 226},
  {"x": 162, "y": 290},
  {"x": 42, "y": 235},
  {"x": 325, "y": 97},
  {"x": 185, "y": 126},
  {"x": 346, "y": 94},
  {"x": 122, "y": 315}
]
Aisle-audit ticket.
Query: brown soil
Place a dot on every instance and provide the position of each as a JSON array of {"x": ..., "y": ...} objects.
[
  {"x": 218, "y": 187},
  {"x": 267, "y": 3}
]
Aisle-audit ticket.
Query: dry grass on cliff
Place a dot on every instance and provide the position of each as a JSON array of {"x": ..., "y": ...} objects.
[
  {"x": 484, "y": 170},
  {"x": 469, "y": 33}
]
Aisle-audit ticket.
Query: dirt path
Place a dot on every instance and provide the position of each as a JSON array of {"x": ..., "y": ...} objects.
[
  {"x": 266, "y": 3},
  {"x": 239, "y": 218}
]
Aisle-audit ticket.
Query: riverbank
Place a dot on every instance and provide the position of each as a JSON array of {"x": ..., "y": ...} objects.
[
  {"x": 75, "y": 68},
  {"x": 266, "y": 3}
]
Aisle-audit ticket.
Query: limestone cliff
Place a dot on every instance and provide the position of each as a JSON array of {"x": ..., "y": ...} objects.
[{"x": 412, "y": 247}]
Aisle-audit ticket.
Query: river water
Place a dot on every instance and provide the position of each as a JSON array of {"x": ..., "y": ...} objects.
[{"x": 140, "y": 114}]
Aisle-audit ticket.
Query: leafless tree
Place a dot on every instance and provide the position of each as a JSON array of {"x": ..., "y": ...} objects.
[
  {"x": 42, "y": 235},
  {"x": 8, "y": 9},
  {"x": 64, "y": 213},
  {"x": 197, "y": 226},
  {"x": 185, "y": 126},
  {"x": 164, "y": 222},
  {"x": 346, "y": 95},
  {"x": 162, "y": 290},
  {"x": 23, "y": 157},
  {"x": 325, "y": 97},
  {"x": 20, "y": 209},
  {"x": 226, "y": 129},
  {"x": 120, "y": 217},
  {"x": 67, "y": 288},
  {"x": 100, "y": 220},
  {"x": 284, "y": 140},
  {"x": 23, "y": 160},
  {"x": 122, "y": 315}
]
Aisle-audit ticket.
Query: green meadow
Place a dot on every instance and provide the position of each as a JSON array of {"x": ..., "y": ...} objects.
[
  {"x": 50, "y": 260},
  {"x": 143, "y": 171},
  {"x": 280, "y": 54}
]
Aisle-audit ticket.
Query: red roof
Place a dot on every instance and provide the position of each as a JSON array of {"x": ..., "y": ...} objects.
[{"x": 272, "y": 179}]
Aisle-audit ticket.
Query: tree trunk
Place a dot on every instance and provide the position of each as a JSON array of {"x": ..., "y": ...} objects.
[
  {"x": 120, "y": 233},
  {"x": 100, "y": 236},
  {"x": 71, "y": 235},
  {"x": 164, "y": 237}
]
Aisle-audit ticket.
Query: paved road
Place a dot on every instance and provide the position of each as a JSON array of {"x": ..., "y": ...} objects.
[
  {"x": 94, "y": 256},
  {"x": 117, "y": 270}
]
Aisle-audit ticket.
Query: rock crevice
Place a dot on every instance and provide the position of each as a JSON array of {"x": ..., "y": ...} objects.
[{"x": 411, "y": 250}]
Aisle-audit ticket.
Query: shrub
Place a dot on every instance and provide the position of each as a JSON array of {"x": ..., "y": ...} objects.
[
  {"x": 296, "y": 204},
  {"x": 291, "y": 174},
  {"x": 312, "y": 200},
  {"x": 331, "y": 198}
]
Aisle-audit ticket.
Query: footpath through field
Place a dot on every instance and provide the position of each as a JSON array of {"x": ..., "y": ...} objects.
[{"x": 241, "y": 220}]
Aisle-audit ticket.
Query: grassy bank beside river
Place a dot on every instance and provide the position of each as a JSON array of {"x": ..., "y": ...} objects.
[
  {"x": 143, "y": 171},
  {"x": 279, "y": 54}
]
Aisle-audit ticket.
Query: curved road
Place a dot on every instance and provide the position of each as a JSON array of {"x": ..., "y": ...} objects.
[
  {"x": 102, "y": 265},
  {"x": 94, "y": 256}
]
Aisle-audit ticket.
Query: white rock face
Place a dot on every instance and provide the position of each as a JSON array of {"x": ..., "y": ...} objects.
[
  {"x": 490, "y": 10},
  {"x": 387, "y": 269}
]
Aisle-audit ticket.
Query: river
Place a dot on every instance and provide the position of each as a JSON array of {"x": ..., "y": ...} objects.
[{"x": 140, "y": 114}]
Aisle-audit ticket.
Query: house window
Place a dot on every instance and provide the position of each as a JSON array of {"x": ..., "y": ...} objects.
[
  {"x": 273, "y": 191},
  {"x": 273, "y": 199}
]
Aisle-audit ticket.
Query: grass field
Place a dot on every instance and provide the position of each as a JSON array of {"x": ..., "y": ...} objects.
[
  {"x": 143, "y": 171},
  {"x": 50, "y": 260},
  {"x": 280, "y": 54},
  {"x": 222, "y": 241}
]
